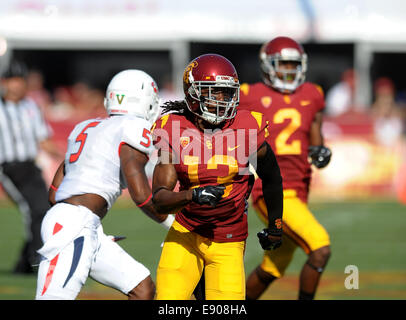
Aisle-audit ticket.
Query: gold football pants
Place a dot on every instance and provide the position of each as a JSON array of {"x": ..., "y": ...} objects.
[
  {"x": 300, "y": 228},
  {"x": 183, "y": 257}
]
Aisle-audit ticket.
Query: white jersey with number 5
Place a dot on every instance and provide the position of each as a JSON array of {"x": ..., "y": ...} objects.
[{"x": 92, "y": 161}]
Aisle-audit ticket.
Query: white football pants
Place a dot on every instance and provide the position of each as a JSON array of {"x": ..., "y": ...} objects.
[{"x": 76, "y": 247}]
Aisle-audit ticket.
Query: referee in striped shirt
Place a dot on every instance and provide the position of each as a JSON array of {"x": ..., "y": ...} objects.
[{"x": 23, "y": 131}]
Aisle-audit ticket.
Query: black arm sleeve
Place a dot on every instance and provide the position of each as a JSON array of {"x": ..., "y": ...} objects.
[{"x": 268, "y": 171}]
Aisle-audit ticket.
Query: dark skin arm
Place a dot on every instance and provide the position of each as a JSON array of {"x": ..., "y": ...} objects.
[
  {"x": 268, "y": 171},
  {"x": 163, "y": 183},
  {"x": 316, "y": 137},
  {"x": 320, "y": 155},
  {"x": 133, "y": 168},
  {"x": 58, "y": 177}
]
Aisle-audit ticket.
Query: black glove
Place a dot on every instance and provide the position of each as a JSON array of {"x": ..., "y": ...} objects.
[
  {"x": 210, "y": 195},
  {"x": 270, "y": 240},
  {"x": 320, "y": 156}
]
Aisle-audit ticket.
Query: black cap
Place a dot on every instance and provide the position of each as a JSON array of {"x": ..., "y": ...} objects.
[{"x": 15, "y": 69}]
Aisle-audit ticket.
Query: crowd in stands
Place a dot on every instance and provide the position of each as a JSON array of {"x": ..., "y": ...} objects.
[
  {"x": 387, "y": 113},
  {"x": 75, "y": 103}
]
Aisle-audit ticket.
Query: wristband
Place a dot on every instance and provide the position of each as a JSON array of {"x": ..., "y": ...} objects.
[
  {"x": 53, "y": 187},
  {"x": 145, "y": 202},
  {"x": 168, "y": 221}
]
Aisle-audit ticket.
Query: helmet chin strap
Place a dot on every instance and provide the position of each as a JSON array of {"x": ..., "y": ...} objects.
[
  {"x": 282, "y": 86},
  {"x": 210, "y": 117}
]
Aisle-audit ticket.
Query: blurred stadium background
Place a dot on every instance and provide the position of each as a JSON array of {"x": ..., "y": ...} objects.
[{"x": 74, "y": 47}]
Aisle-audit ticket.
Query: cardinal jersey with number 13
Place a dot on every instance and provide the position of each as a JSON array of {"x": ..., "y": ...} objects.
[{"x": 212, "y": 158}]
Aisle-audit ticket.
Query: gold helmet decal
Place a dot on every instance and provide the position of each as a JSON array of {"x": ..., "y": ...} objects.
[{"x": 188, "y": 69}]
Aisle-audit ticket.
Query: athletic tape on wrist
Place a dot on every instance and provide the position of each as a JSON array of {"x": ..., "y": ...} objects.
[{"x": 168, "y": 221}]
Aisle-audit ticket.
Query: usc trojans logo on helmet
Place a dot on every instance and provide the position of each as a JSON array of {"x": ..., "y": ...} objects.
[{"x": 187, "y": 74}]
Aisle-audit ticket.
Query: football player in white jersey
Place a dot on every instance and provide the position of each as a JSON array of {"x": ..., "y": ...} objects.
[{"x": 103, "y": 157}]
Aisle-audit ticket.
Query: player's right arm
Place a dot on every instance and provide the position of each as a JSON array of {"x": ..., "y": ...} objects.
[
  {"x": 133, "y": 163},
  {"x": 318, "y": 152},
  {"x": 316, "y": 137},
  {"x": 164, "y": 181},
  {"x": 59, "y": 174},
  {"x": 272, "y": 189}
]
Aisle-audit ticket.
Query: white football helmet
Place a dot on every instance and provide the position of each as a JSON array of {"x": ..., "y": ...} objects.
[{"x": 133, "y": 92}]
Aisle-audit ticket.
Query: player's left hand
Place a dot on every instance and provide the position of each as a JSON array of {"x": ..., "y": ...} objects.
[
  {"x": 270, "y": 240},
  {"x": 320, "y": 156}
]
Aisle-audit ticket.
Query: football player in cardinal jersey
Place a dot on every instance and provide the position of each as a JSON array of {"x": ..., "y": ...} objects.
[
  {"x": 103, "y": 157},
  {"x": 206, "y": 145},
  {"x": 293, "y": 110}
]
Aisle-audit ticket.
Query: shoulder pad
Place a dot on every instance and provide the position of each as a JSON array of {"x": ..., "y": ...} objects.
[{"x": 245, "y": 88}]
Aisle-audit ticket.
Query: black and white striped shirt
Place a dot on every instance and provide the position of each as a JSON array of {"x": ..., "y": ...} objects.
[{"x": 22, "y": 127}]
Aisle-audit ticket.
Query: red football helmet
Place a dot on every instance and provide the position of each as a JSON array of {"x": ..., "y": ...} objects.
[
  {"x": 283, "y": 49},
  {"x": 211, "y": 87}
]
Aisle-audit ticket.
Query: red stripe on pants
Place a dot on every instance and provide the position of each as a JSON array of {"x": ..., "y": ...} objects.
[{"x": 53, "y": 263}]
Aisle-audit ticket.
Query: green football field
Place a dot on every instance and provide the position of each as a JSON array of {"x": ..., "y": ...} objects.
[{"x": 369, "y": 235}]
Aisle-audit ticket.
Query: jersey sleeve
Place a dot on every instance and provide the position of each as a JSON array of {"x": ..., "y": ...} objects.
[
  {"x": 244, "y": 90},
  {"x": 78, "y": 128},
  {"x": 161, "y": 134},
  {"x": 318, "y": 97},
  {"x": 245, "y": 97},
  {"x": 137, "y": 134},
  {"x": 261, "y": 126},
  {"x": 255, "y": 126}
]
